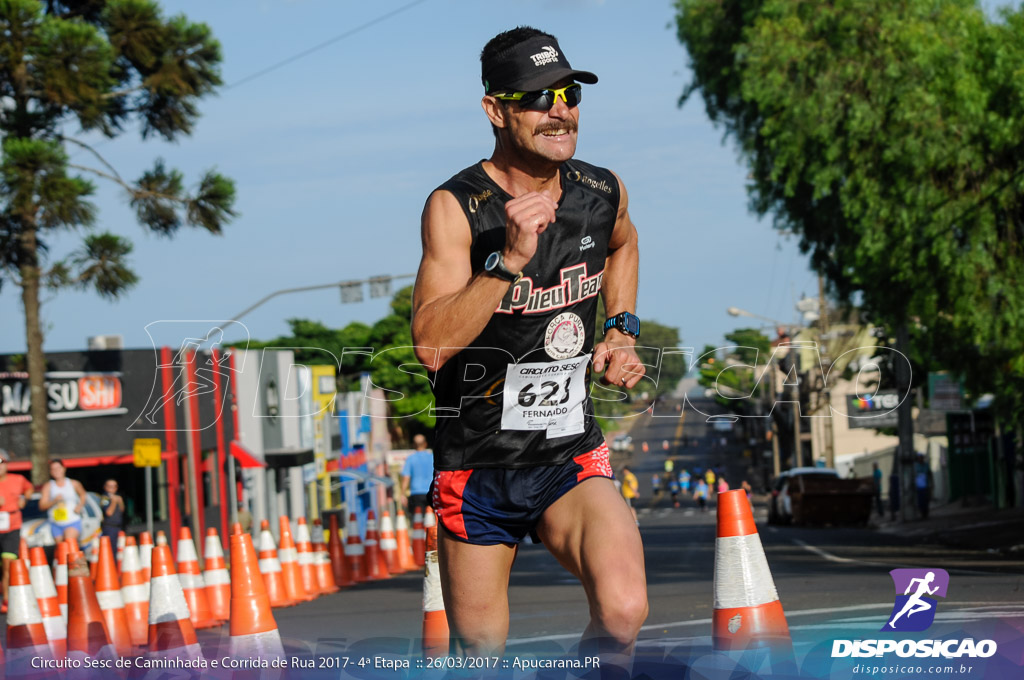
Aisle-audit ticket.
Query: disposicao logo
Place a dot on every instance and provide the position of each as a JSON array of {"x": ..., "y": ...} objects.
[{"x": 914, "y": 611}]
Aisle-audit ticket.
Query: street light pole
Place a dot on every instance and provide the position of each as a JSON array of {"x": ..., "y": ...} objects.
[{"x": 340, "y": 284}]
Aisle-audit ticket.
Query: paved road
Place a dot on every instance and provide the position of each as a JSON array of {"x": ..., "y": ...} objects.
[{"x": 833, "y": 582}]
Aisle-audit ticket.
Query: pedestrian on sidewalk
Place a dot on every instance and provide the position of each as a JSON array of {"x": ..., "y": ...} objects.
[
  {"x": 112, "y": 506},
  {"x": 876, "y": 475},
  {"x": 417, "y": 474},
  {"x": 894, "y": 494},
  {"x": 923, "y": 484},
  {"x": 13, "y": 491}
]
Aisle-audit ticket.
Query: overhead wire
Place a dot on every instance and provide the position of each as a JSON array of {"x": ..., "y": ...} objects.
[{"x": 322, "y": 45}]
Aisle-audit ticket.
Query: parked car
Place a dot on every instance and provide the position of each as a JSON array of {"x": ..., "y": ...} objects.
[
  {"x": 35, "y": 526},
  {"x": 780, "y": 509},
  {"x": 622, "y": 443}
]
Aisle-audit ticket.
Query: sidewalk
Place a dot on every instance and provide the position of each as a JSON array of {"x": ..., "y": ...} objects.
[{"x": 979, "y": 527}]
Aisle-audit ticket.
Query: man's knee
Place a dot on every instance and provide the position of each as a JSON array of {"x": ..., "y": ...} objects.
[{"x": 621, "y": 620}]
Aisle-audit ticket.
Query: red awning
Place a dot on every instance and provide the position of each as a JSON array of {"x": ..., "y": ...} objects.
[{"x": 245, "y": 458}]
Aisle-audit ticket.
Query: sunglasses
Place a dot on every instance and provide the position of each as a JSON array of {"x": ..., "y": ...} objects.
[{"x": 543, "y": 100}]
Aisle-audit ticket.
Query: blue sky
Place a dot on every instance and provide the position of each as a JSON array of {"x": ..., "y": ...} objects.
[{"x": 335, "y": 153}]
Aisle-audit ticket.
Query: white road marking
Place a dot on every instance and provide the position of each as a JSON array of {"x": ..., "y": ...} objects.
[
  {"x": 825, "y": 555},
  {"x": 948, "y": 616}
]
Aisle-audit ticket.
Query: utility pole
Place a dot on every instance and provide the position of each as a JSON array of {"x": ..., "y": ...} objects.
[
  {"x": 905, "y": 427},
  {"x": 825, "y": 396}
]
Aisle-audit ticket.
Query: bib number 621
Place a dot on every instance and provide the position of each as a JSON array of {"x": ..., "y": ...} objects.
[{"x": 547, "y": 393}]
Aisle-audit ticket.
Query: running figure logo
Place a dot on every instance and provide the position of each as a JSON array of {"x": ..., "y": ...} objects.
[{"x": 913, "y": 610}]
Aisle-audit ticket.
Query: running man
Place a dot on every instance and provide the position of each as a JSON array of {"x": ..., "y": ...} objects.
[
  {"x": 516, "y": 249},
  {"x": 915, "y": 604}
]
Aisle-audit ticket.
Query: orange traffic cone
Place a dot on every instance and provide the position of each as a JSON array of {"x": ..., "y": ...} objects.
[
  {"x": 23, "y": 551},
  {"x": 236, "y": 528},
  {"x": 254, "y": 632},
  {"x": 375, "y": 566},
  {"x": 336, "y": 551},
  {"x": 747, "y": 612},
  {"x": 87, "y": 632},
  {"x": 54, "y": 623},
  {"x": 435, "y": 622},
  {"x": 161, "y": 539},
  {"x": 146, "y": 558},
  {"x": 171, "y": 634},
  {"x": 324, "y": 574},
  {"x": 60, "y": 577},
  {"x": 304, "y": 558},
  {"x": 92, "y": 555},
  {"x": 389, "y": 544},
  {"x": 288, "y": 555},
  {"x": 419, "y": 536},
  {"x": 355, "y": 551},
  {"x": 135, "y": 594},
  {"x": 270, "y": 567},
  {"x": 404, "y": 544},
  {"x": 26, "y": 635},
  {"x": 192, "y": 583},
  {"x": 108, "y": 593},
  {"x": 120, "y": 549},
  {"x": 218, "y": 583}
]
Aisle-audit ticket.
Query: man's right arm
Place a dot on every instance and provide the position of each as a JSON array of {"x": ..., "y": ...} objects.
[{"x": 451, "y": 304}]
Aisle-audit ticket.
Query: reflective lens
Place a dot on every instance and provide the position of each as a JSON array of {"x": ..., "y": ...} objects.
[{"x": 543, "y": 100}]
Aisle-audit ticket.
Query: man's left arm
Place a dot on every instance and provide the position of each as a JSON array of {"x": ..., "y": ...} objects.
[{"x": 615, "y": 354}]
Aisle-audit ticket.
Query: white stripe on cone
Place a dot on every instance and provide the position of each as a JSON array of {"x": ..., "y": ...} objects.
[
  {"x": 22, "y": 608},
  {"x": 168, "y": 600},
  {"x": 109, "y": 599},
  {"x": 269, "y": 565},
  {"x": 432, "y": 598},
  {"x": 256, "y": 645},
  {"x": 133, "y": 594},
  {"x": 41, "y": 584},
  {"x": 742, "y": 576},
  {"x": 217, "y": 577}
]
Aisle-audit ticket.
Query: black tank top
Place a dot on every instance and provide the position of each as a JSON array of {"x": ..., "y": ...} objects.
[{"x": 519, "y": 396}]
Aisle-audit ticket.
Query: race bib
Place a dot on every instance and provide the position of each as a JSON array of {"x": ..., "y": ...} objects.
[
  {"x": 5, "y": 521},
  {"x": 546, "y": 396},
  {"x": 60, "y": 514}
]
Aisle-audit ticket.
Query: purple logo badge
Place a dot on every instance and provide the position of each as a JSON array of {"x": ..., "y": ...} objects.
[{"x": 914, "y": 609}]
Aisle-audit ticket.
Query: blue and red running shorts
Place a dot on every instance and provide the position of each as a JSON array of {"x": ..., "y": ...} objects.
[{"x": 489, "y": 506}]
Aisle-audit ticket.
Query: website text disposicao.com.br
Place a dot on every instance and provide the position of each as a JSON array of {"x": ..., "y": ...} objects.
[{"x": 903, "y": 670}]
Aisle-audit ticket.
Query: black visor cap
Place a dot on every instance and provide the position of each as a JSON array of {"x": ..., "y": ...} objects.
[{"x": 533, "y": 64}]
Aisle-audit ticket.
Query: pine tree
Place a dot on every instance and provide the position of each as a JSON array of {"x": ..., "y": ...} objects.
[{"x": 69, "y": 67}]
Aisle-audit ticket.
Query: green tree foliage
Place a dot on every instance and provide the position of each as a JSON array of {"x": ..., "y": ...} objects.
[
  {"x": 383, "y": 350},
  {"x": 729, "y": 370},
  {"x": 888, "y": 136},
  {"x": 71, "y": 66}
]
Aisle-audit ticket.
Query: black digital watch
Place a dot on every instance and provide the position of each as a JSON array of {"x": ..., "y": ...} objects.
[{"x": 625, "y": 323}]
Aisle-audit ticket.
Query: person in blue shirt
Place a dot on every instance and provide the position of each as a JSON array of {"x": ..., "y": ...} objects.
[{"x": 417, "y": 474}]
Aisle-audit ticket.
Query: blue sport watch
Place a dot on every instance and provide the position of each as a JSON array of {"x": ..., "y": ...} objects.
[{"x": 624, "y": 323}]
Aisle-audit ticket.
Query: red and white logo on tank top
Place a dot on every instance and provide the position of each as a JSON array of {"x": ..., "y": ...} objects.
[{"x": 575, "y": 286}]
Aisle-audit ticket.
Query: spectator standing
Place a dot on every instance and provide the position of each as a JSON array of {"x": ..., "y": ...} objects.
[
  {"x": 112, "y": 506},
  {"x": 923, "y": 484},
  {"x": 13, "y": 491},
  {"x": 244, "y": 517},
  {"x": 876, "y": 475},
  {"x": 418, "y": 473}
]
